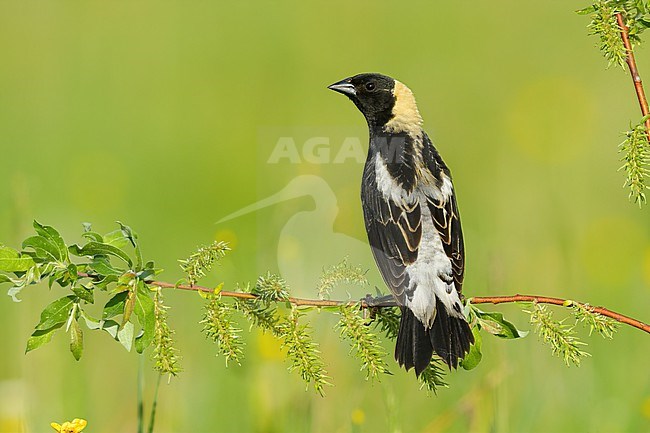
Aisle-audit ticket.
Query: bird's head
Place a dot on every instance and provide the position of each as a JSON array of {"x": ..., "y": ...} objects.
[{"x": 386, "y": 103}]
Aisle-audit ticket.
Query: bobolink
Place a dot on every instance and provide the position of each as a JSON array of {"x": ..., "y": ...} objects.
[{"x": 412, "y": 221}]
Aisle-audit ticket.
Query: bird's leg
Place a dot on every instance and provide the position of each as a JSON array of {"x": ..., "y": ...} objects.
[{"x": 379, "y": 301}]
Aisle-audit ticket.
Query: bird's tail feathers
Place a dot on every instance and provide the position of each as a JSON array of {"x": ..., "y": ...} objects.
[{"x": 450, "y": 337}]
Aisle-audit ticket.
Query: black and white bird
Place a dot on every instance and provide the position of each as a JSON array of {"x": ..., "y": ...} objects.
[{"x": 412, "y": 221}]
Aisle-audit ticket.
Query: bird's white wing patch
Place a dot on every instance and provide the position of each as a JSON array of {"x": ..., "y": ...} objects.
[{"x": 387, "y": 185}]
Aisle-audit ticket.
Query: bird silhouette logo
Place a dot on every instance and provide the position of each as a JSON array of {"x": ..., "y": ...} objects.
[{"x": 308, "y": 242}]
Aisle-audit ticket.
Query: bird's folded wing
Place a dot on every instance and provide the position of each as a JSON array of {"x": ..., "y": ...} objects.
[
  {"x": 394, "y": 231},
  {"x": 444, "y": 212},
  {"x": 447, "y": 221}
]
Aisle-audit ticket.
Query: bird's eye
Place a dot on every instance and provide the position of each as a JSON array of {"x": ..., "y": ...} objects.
[{"x": 370, "y": 86}]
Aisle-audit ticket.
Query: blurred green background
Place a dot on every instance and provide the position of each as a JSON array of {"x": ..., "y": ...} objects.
[{"x": 164, "y": 115}]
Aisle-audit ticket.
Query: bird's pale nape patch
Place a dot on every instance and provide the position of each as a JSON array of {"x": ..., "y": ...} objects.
[{"x": 406, "y": 117}]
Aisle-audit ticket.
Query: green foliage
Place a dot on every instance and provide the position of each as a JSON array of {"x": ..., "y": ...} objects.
[
  {"x": 586, "y": 315},
  {"x": 474, "y": 357},
  {"x": 271, "y": 288},
  {"x": 164, "y": 354},
  {"x": 494, "y": 323},
  {"x": 636, "y": 156},
  {"x": 76, "y": 339},
  {"x": 604, "y": 25},
  {"x": 559, "y": 335},
  {"x": 12, "y": 261},
  {"x": 48, "y": 245},
  {"x": 259, "y": 314},
  {"x": 39, "y": 338},
  {"x": 56, "y": 313},
  {"x": 387, "y": 320},
  {"x": 354, "y": 328},
  {"x": 43, "y": 255},
  {"x": 111, "y": 267},
  {"x": 145, "y": 312},
  {"x": 20, "y": 280},
  {"x": 52, "y": 318},
  {"x": 340, "y": 273},
  {"x": 102, "y": 263},
  {"x": 636, "y": 15},
  {"x": 101, "y": 249},
  {"x": 302, "y": 351},
  {"x": 433, "y": 376},
  {"x": 200, "y": 262},
  {"x": 491, "y": 322},
  {"x": 219, "y": 327}
]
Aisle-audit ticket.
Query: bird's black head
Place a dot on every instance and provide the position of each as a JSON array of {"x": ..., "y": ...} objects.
[
  {"x": 371, "y": 93},
  {"x": 387, "y": 104}
]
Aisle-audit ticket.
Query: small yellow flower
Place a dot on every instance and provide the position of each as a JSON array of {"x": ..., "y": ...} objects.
[
  {"x": 70, "y": 427},
  {"x": 358, "y": 417}
]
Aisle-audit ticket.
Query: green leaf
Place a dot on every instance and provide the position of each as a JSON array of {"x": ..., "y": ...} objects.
[
  {"x": 14, "y": 291},
  {"x": 12, "y": 261},
  {"x": 72, "y": 272},
  {"x": 76, "y": 340},
  {"x": 102, "y": 265},
  {"x": 147, "y": 274},
  {"x": 128, "y": 233},
  {"x": 93, "y": 236},
  {"x": 30, "y": 276},
  {"x": 495, "y": 324},
  {"x": 144, "y": 311},
  {"x": 84, "y": 293},
  {"x": 56, "y": 313},
  {"x": 129, "y": 305},
  {"x": 125, "y": 336},
  {"x": 101, "y": 249},
  {"x": 44, "y": 248},
  {"x": 41, "y": 337},
  {"x": 4, "y": 279},
  {"x": 52, "y": 235},
  {"x": 102, "y": 284},
  {"x": 115, "y": 305},
  {"x": 63, "y": 276},
  {"x": 91, "y": 322},
  {"x": 473, "y": 358},
  {"x": 53, "y": 277},
  {"x": 117, "y": 239},
  {"x": 111, "y": 326}
]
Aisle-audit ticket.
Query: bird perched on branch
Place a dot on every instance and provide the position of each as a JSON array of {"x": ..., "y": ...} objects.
[{"x": 412, "y": 221}]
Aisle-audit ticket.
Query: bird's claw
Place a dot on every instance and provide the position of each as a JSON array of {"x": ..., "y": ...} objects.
[{"x": 379, "y": 301}]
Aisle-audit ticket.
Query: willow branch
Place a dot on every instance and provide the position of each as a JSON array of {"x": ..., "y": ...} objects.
[
  {"x": 562, "y": 302},
  {"x": 634, "y": 72},
  {"x": 621, "y": 318}
]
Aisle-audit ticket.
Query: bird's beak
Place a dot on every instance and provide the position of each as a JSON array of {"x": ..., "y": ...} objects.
[{"x": 344, "y": 87}]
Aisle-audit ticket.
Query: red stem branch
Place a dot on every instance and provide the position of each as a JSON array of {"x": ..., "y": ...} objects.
[
  {"x": 562, "y": 302},
  {"x": 634, "y": 72},
  {"x": 476, "y": 300}
]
